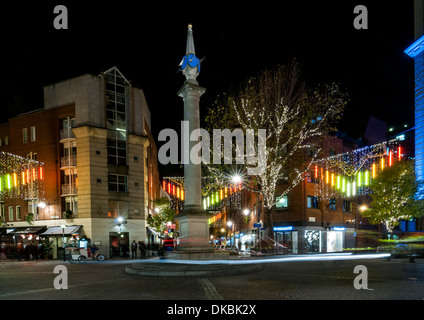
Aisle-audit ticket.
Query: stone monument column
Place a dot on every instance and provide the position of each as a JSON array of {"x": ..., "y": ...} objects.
[{"x": 193, "y": 220}]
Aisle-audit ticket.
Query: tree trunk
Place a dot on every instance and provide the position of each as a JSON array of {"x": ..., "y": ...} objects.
[{"x": 269, "y": 222}]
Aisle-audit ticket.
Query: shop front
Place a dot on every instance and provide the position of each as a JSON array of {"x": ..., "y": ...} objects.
[
  {"x": 313, "y": 240},
  {"x": 335, "y": 239},
  {"x": 14, "y": 240},
  {"x": 286, "y": 240},
  {"x": 60, "y": 237}
]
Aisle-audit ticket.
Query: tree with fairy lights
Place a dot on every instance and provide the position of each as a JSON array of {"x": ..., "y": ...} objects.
[
  {"x": 163, "y": 213},
  {"x": 294, "y": 116},
  {"x": 395, "y": 195}
]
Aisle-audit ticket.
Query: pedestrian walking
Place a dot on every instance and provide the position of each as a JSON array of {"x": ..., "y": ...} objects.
[{"x": 134, "y": 247}]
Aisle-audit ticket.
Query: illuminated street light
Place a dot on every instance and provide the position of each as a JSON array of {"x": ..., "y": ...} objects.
[
  {"x": 236, "y": 179},
  {"x": 363, "y": 208},
  {"x": 246, "y": 212},
  {"x": 229, "y": 223}
]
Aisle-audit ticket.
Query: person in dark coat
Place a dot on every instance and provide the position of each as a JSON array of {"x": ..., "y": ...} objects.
[
  {"x": 143, "y": 250},
  {"x": 134, "y": 249}
]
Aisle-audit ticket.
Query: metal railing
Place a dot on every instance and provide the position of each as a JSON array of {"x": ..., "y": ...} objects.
[
  {"x": 68, "y": 189},
  {"x": 66, "y": 134},
  {"x": 69, "y": 161}
]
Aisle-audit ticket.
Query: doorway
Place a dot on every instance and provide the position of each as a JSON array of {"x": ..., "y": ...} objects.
[{"x": 119, "y": 244}]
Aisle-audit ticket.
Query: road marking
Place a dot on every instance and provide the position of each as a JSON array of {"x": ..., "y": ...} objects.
[
  {"x": 210, "y": 290},
  {"x": 11, "y": 294}
]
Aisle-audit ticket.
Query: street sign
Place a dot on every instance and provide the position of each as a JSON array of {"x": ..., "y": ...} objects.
[{"x": 257, "y": 225}]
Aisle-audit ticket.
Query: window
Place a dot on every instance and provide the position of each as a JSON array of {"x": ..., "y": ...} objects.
[
  {"x": 332, "y": 204},
  {"x": 71, "y": 204},
  {"x": 347, "y": 206},
  {"x": 312, "y": 202},
  {"x": 1, "y": 140},
  {"x": 116, "y": 152},
  {"x": 25, "y": 135},
  {"x": 118, "y": 209},
  {"x": 32, "y": 134},
  {"x": 18, "y": 213},
  {"x": 117, "y": 183},
  {"x": 116, "y": 121},
  {"x": 6, "y": 141},
  {"x": 282, "y": 202},
  {"x": 69, "y": 123},
  {"x": 10, "y": 213},
  {"x": 311, "y": 177}
]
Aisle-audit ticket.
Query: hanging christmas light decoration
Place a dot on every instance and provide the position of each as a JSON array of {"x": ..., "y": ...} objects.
[
  {"x": 213, "y": 199},
  {"x": 351, "y": 172},
  {"x": 16, "y": 182}
]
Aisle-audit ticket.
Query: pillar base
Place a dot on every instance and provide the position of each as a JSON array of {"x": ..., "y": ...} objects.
[{"x": 194, "y": 232}]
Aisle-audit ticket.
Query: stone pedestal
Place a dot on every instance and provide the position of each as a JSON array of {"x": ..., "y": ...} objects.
[{"x": 194, "y": 233}]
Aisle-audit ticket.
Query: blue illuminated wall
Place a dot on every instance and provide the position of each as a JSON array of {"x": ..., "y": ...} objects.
[{"x": 416, "y": 51}]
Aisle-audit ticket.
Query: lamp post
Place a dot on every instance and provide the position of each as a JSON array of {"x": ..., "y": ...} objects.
[
  {"x": 230, "y": 224},
  {"x": 63, "y": 241},
  {"x": 362, "y": 208}
]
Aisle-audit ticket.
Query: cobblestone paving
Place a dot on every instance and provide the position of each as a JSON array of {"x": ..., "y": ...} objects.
[{"x": 326, "y": 280}]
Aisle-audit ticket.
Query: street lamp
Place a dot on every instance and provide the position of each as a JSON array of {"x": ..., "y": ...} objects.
[
  {"x": 246, "y": 212},
  {"x": 236, "y": 178},
  {"x": 63, "y": 241},
  {"x": 230, "y": 224},
  {"x": 363, "y": 208}
]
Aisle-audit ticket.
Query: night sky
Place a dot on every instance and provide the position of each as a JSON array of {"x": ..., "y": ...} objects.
[{"x": 147, "y": 42}]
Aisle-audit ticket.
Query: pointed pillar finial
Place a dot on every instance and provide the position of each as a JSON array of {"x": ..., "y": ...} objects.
[{"x": 190, "y": 41}]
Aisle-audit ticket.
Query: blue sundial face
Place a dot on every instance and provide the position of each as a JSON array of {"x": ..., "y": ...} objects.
[
  {"x": 193, "y": 61},
  {"x": 184, "y": 64}
]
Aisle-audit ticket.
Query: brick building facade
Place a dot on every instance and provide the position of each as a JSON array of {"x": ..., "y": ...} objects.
[{"x": 100, "y": 161}]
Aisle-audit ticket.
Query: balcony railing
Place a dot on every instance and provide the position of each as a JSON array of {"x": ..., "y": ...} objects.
[
  {"x": 66, "y": 134},
  {"x": 70, "y": 161},
  {"x": 69, "y": 190}
]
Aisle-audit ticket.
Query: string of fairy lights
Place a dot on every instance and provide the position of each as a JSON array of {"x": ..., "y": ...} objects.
[
  {"x": 344, "y": 175},
  {"x": 349, "y": 174},
  {"x": 214, "y": 199},
  {"x": 20, "y": 178}
]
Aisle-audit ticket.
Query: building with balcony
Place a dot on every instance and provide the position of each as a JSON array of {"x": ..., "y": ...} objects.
[{"x": 100, "y": 159}]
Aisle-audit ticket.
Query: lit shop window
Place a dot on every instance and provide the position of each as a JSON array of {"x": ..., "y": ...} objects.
[
  {"x": 282, "y": 202},
  {"x": 312, "y": 202}
]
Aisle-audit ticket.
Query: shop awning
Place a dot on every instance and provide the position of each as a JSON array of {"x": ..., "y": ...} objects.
[
  {"x": 152, "y": 231},
  {"x": 58, "y": 231},
  {"x": 26, "y": 230}
]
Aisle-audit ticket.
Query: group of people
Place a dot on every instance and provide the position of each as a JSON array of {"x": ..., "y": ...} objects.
[
  {"x": 141, "y": 246},
  {"x": 168, "y": 245},
  {"x": 30, "y": 251}
]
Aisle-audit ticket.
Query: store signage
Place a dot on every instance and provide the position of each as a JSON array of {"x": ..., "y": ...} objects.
[
  {"x": 257, "y": 225},
  {"x": 285, "y": 228},
  {"x": 339, "y": 228}
]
